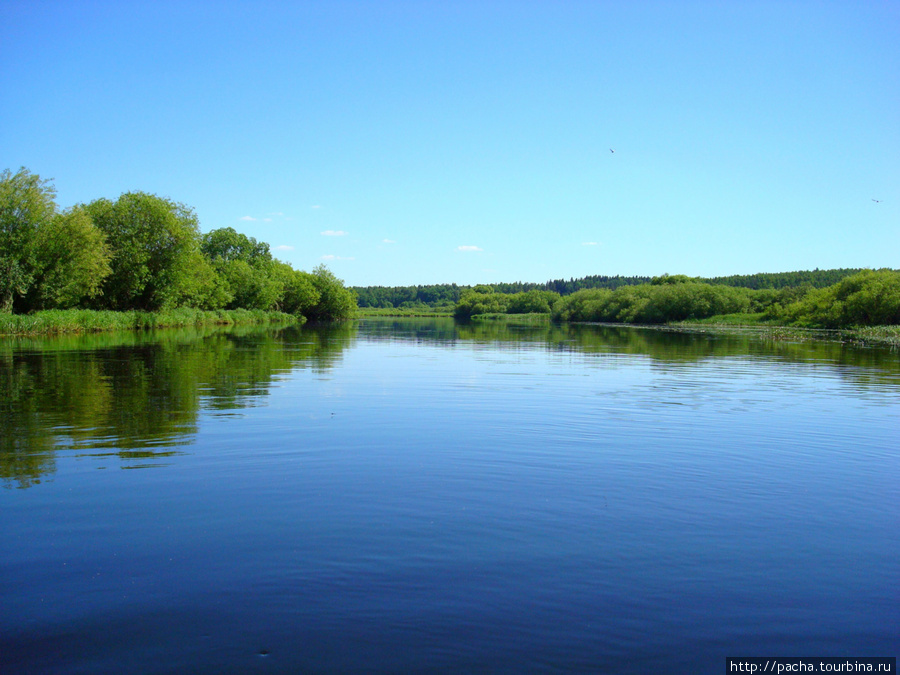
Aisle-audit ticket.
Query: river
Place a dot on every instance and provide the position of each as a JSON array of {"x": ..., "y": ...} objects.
[{"x": 417, "y": 495}]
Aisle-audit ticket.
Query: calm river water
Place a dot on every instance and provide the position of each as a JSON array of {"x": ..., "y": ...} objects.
[{"x": 419, "y": 496}]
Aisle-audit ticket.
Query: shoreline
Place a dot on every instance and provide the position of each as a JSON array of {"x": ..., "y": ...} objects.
[{"x": 73, "y": 321}]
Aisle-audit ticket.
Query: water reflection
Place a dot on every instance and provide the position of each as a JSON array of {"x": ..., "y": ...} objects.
[
  {"x": 137, "y": 396},
  {"x": 663, "y": 346}
]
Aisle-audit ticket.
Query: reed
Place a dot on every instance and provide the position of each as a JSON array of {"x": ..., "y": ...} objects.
[{"x": 57, "y": 321}]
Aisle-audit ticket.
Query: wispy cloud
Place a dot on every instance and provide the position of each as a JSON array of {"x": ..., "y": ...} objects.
[
  {"x": 248, "y": 218},
  {"x": 590, "y": 243},
  {"x": 315, "y": 207},
  {"x": 336, "y": 257},
  {"x": 278, "y": 214},
  {"x": 284, "y": 247},
  {"x": 334, "y": 233},
  {"x": 388, "y": 241},
  {"x": 469, "y": 248}
]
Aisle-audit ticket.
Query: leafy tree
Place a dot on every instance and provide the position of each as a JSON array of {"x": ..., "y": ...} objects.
[
  {"x": 672, "y": 279},
  {"x": 335, "y": 301},
  {"x": 246, "y": 266},
  {"x": 652, "y": 303},
  {"x": 539, "y": 302},
  {"x": 481, "y": 300},
  {"x": 207, "y": 288},
  {"x": 249, "y": 286},
  {"x": 226, "y": 243},
  {"x": 71, "y": 260},
  {"x": 154, "y": 244},
  {"x": 869, "y": 298},
  {"x": 26, "y": 204},
  {"x": 299, "y": 294}
]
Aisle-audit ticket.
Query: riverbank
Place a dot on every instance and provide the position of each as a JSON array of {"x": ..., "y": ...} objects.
[
  {"x": 404, "y": 311},
  {"x": 52, "y": 322},
  {"x": 884, "y": 336},
  {"x": 863, "y": 335}
]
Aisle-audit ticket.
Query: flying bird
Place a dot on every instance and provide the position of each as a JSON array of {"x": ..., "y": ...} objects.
[
  {"x": 611, "y": 150},
  {"x": 877, "y": 201}
]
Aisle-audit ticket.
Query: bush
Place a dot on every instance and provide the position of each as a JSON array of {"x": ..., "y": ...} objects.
[{"x": 869, "y": 298}]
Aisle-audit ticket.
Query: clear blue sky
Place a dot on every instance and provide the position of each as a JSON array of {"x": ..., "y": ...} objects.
[{"x": 469, "y": 142}]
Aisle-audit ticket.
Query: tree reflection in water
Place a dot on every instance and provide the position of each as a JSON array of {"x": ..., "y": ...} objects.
[{"x": 137, "y": 396}]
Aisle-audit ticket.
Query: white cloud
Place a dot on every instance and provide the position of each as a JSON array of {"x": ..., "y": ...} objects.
[
  {"x": 468, "y": 248},
  {"x": 334, "y": 233},
  {"x": 590, "y": 243},
  {"x": 315, "y": 207},
  {"x": 329, "y": 256},
  {"x": 284, "y": 247},
  {"x": 388, "y": 241},
  {"x": 248, "y": 218}
]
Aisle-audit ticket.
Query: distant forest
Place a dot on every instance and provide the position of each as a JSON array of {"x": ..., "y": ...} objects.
[{"x": 447, "y": 295}]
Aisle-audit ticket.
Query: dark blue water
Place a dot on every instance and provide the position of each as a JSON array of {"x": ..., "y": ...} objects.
[{"x": 416, "y": 496}]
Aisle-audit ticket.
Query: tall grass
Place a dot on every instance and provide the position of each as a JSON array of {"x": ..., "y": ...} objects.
[
  {"x": 405, "y": 311},
  {"x": 56, "y": 321},
  {"x": 531, "y": 319}
]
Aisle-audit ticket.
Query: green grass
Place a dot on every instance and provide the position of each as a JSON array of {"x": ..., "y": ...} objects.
[
  {"x": 740, "y": 319},
  {"x": 771, "y": 329},
  {"x": 881, "y": 335},
  {"x": 514, "y": 319},
  {"x": 395, "y": 311},
  {"x": 59, "y": 321}
]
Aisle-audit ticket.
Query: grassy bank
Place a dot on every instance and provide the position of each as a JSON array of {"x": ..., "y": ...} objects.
[
  {"x": 869, "y": 335},
  {"x": 530, "y": 319},
  {"x": 404, "y": 311},
  {"x": 52, "y": 322}
]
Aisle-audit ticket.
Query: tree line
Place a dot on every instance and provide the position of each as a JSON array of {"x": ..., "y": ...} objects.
[
  {"x": 867, "y": 298},
  {"x": 143, "y": 252},
  {"x": 448, "y": 295}
]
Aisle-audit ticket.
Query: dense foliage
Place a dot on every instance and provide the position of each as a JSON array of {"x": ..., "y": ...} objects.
[
  {"x": 26, "y": 205},
  {"x": 447, "y": 295},
  {"x": 485, "y": 300},
  {"x": 143, "y": 253},
  {"x": 407, "y": 297},
  {"x": 652, "y": 303},
  {"x": 814, "y": 278},
  {"x": 867, "y": 298}
]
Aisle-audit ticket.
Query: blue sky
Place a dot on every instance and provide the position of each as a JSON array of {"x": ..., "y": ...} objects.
[{"x": 435, "y": 142}]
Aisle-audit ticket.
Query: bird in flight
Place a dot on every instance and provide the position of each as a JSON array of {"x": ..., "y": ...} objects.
[
  {"x": 611, "y": 150},
  {"x": 877, "y": 201}
]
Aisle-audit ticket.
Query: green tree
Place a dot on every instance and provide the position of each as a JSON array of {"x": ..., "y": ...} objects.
[
  {"x": 26, "y": 203},
  {"x": 226, "y": 243},
  {"x": 481, "y": 300},
  {"x": 71, "y": 260},
  {"x": 246, "y": 267},
  {"x": 300, "y": 294},
  {"x": 869, "y": 298},
  {"x": 529, "y": 302},
  {"x": 672, "y": 279},
  {"x": 250, "y": 287},
  {"x": 335, "y": 302},
  {"x": 154, "y": 244}
]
